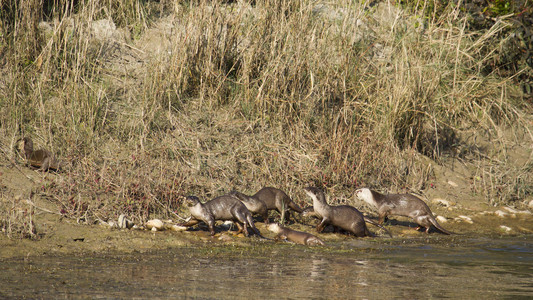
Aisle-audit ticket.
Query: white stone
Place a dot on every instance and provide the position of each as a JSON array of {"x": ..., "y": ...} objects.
[
  {"x": 441, "y": 219},
  {"x": 443, "y": 202},
  {"x": 501, "y": 214},
  {"x": 466, "y": 219},
  {"x": 505, "y": 228},
  {"x": 452, "y": 183},
  {"x": 510, "y": 209},
  {"x": 155, "y": 223}
]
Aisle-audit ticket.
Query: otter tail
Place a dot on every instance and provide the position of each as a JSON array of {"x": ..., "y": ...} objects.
[
  {"x": 437, "y": 225},
  {"x": 295, "y": 207},
  {"x": 370, "y": 221}
]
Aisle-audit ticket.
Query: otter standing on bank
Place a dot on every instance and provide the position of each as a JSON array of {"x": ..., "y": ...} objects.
[
  {"x": 254, "y": 205},
  {"x": 310, "y": 212},
  {"x": 41, "y": 159},
  {"x": 274, "y": 199},
  {"x": 401, "y": 205},
  {"x": 221, "y": 208},
  {"x": 345, "y": 217},
  {"x": 298, "y": 237}
]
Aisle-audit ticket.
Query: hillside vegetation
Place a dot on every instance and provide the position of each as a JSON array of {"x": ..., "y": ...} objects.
[{"x": 149, "y": 101}]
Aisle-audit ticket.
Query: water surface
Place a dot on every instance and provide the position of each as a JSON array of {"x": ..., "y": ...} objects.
[{"x": 433, "y": 267}]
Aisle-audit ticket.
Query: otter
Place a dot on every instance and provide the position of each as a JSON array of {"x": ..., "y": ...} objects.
[
  {"x": 402, "y": 205},
  {"x": 344, "y": 217},
  {"x": 40, "y": 159},
  {"x": 275, "y": 199},
  {"x": 254, "y": 205},
  {"x": 310, "y": 212},
  {"x": 221, "y": 208},
  {"x": 298, "y": 237}
]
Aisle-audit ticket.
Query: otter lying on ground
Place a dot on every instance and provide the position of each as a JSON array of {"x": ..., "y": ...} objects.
[{"x": 298, "y": 237}]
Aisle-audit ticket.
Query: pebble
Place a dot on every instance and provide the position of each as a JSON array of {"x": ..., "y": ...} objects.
[
  {"x": 466, "y": 219},
  {"x": 530, "y": 204},
  {"x": 505, "y": 228},
  {"x": 441, "y": 219},
  {"x": 175, "y": 227},
  {"x": 501, "y": 214},
  {"x": 155, "y": 225},
  {"x": 452, "y": 183},
  {"x": 443, "y": 202}
]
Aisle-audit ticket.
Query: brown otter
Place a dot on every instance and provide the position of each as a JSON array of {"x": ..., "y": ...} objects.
[
  {"x": 402, "y": 205},
  {"x": 298, "y": 237},
  {"x": 221, "y": 208},
  {"x": 310, "y": 212},
  {"x": 274, "y": 199},
  {"x": 254, "y": 205},
  {"x": 41, "y": 159},
  {"x": 344, "y": 217}
]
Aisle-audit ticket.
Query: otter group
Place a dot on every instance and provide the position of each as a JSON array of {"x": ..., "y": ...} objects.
[{"x": 239, "y": 207}]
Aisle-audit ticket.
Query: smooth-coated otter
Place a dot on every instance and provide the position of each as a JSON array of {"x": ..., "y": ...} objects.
[
  {"x": 401, "y": 205},
  {"x": 310, "y": 212},
  {"x": 298, "y": 237},
  {"x": 275, "y": 199},
  {"x": 254, "y": 205},
  {"x": 221, "y": 208},
  {"x": 344, "y": 217},
  {"x": 41, "y": 159}
]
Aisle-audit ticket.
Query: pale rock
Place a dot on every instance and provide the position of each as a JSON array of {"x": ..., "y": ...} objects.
[
  {"x": 441, "y": 219},
  {"x": 155, "y": 223},
  {"x": 505, "y": 228},
  {"x": 443, "y": 202},
  {"x": 501, "y": 214},
  {"x": 452, "y": 183},
  {"x": 466, "y": 219}
]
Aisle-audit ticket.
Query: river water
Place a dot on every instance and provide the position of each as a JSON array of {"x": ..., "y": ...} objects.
[{"x": 416, "y": 268}]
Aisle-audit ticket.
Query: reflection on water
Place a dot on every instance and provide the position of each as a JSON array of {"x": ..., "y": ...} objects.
[{"x": 423, "y": 268}]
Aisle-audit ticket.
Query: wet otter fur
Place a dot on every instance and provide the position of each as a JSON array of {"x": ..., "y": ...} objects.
[
  {"x": 298, "y": 237},
  {"x": 275, "y": 199},
  {"x": 310, "y": 212},
  {"x": 405, "y": 205},
  {"x": 254, "y": 205},
  {"x": 40, "y": 159},
  {"x": 344, "y": 217},
  {"x": 221, "y": 208}
]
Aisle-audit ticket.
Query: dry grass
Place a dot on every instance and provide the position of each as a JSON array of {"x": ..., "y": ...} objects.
[{"x": 285, "y": 93}]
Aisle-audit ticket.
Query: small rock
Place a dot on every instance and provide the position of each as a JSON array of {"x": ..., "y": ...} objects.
[
  {"x": 501, "y": 214},
  {"x": 530, "y": 204},
  {"x": 466, "y": 219},
  {"x": 155, "y": 223},
  {"x": 175, "y": 227},
  {"x": 452, "y": 183},
  {"x": 441, "y": 219},
  {"x": 443, "y": 202},
  {"x": 505, "y": 228},
  {"x": 510, "y": 209}
]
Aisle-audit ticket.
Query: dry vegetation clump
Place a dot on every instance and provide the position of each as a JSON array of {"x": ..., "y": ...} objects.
[{"x": 152, "y": 101}]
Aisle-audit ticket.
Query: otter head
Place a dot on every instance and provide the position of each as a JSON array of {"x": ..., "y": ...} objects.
[
  {"x": 238, "y": 195},
  {"x": 274, "y": 227},
  {"x": 191, "y": 201},
  {"x": 28, "y": 147},
  {"x": 315, "y": 193},
  {"x": 366, "y": 195}
]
